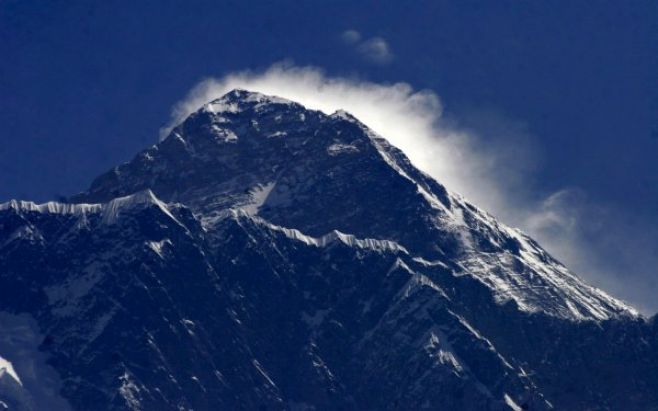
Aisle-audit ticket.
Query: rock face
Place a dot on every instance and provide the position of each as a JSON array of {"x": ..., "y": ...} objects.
[{"x": 266, "y": 256}]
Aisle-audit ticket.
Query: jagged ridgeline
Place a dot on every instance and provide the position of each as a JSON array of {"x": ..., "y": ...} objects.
[{"x": 266, "y": 256}]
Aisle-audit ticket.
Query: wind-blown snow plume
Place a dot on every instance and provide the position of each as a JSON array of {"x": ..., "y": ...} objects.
[
  {"x": 411, "y": 120},
  {"x": 490, "y": 170}
]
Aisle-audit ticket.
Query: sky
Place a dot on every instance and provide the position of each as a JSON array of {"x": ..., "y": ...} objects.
[{"x": 544, "y": 113}]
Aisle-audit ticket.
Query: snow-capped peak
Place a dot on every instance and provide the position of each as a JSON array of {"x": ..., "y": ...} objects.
[
  {"x": 289, "y": 165},
  {"x": 313, "y": 254},
  {"x": 239, "y": 100}
]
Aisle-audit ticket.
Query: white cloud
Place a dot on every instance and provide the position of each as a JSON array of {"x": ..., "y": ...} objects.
[
  {"x": 606, "y": 246},
  {"x": 557, "y": 213},
  {"x": 490, "y": 163},
  {"x": 375, "y": 49},
  {"x": 351, "y": 36}
]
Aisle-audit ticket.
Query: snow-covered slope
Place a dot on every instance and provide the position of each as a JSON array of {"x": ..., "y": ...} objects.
[{"x": 268, "y": 256}]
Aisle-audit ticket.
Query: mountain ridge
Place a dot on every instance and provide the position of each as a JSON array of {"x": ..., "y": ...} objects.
[
  {"x": 265, "y": 256},
  {"x": 203, "y": 128}
]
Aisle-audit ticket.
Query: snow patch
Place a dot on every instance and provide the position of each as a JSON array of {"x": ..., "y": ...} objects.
[
  {"x": 130, "y": 392},
  {"x": 219, "y": 107},
  {"x": 439, "y": 347},
  {"x": 337, "y": 236},
  {"x": 224, "y": 135},
  {"x": 6, "y": 367},
  {"x": 257, "y": 197},
  {"x": 510, "y": 402},
  {"x": 338, "y": 148},
  {"x": 262, "y": 372},
  {"x": 158, "y": 246}
]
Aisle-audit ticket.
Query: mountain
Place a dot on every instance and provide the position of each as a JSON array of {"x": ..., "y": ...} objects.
[{"x": 269, "y": 257}]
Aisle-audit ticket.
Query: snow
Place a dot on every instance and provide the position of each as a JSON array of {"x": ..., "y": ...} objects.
[
  {"x": 26, "y": 232},
  {"x": 110, "y": 211},
  {"x": 51, "y": 207},
  {"x": 344, "y": 115},
  {"x": 232, "y": 101},
  {"x": 480, "y": 337},
  {"x": 510, "y": 402},
  {"x": 338, "y": 148},
  {"x": 219, "y": 106},
  {"x": 257, "y": 197},
  {"x": 337, "y": 236},
  {"x": 142, "y": 199},
  {"x": 418, "y": 280},
  {"x": 130, "y": 392},
  {"x": 224, "y": 135},
  {"x": 256, "y": 97},
  {"x": 439, "y": 347},
  {"x": 189, "y": 326},
  {"x": 7, "y": 367},
  {"x": 462, "y": 228},
  {"x": 262, "y": 372},
  {"x": 382, "y": 148},
  {"x": 544, "y": 285},
  {"x": 157, "y": 246},
  {"x": 421, "y": 260}
]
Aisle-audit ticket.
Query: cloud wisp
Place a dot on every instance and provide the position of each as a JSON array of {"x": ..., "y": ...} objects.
[
  {"x": 375, "y": 50},
  {"x": 351, "y": 36},
  {"x": 491, "y": 164}
]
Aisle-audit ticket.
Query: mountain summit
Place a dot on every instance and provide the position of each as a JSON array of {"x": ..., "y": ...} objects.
[
  {"x": 267, "y": 256},
  {"x": 302, "y": 169}
]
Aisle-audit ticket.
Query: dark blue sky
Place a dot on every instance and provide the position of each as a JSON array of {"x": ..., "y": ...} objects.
[{"x": 84, "y": 85}]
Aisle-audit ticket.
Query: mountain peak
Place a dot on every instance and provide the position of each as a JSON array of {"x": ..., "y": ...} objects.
[
  {"x": 305, "y": 170},
  {"x": 238, "y": 100},
  {"x": 240, "y": 94},
  {"x": 276, "y": 256}
]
